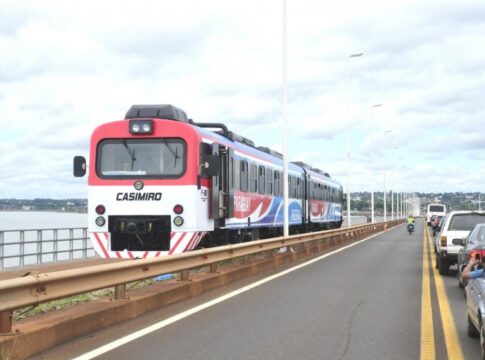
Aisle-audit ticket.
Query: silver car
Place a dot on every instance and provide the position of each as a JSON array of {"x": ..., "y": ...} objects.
[{"x": 475, "y": 305}]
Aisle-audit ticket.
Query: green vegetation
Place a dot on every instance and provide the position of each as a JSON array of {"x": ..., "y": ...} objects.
[{"x": 68, "y": 205}]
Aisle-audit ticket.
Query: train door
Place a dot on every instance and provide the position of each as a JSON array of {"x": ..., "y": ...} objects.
[
  {"x": 222, "y": 192},
  {"x": 305, "y": 203}
]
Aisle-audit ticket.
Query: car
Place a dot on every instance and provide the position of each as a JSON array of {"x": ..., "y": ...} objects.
[
  {"x": 475, "y": 306},
  {"x": 473, "y": 247},
  {"x": 455, "y": 225}
]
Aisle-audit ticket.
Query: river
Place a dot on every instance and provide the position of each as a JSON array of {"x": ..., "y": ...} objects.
[{"x": 21, "y": 220}]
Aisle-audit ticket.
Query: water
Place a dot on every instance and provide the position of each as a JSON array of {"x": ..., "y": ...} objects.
[
  {"x": 21, "y": 220},
  {"x": 37, "y": 220}
]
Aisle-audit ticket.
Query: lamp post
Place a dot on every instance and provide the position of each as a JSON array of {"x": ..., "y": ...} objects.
[
  {"x": 285, "y": 126},
  {"x": 385, "y": 169},
  {"x": 371, "y": 156},
  {"x": 347, "y": 136},
  {"x": 392, "y": 193}
]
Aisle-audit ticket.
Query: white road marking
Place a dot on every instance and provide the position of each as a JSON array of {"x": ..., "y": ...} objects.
[{"x": 138, "y": 334}]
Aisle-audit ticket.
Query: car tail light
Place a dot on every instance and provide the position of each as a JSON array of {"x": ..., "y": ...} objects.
[
  {"x": 443, "y": 241},
  {"x": 481, "y": 254}
]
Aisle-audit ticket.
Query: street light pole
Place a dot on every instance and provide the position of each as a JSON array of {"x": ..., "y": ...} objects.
[
  {"x": 347, "y": 136},
  {"x": 385, "y": 170},
  {"x": 285, "y": 128},
  {"x": 392, "y": 205},
  {"x": 371, "y": 156}
]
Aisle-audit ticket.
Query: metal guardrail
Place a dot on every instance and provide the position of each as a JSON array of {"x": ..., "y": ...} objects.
[
  {"x": 20, "y": 248},
  {"x": 38, "y": 246},
  {"x": 36, "y": 288}
]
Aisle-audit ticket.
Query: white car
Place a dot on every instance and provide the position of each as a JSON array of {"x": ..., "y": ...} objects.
[{"x": 456, "y": 225}]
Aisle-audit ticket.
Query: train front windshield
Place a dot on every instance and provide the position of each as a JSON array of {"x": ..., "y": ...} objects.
[{"x": 139, "y": 158}]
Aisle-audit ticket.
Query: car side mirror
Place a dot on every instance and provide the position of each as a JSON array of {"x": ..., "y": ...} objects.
[{"x": 79, "y": 166}]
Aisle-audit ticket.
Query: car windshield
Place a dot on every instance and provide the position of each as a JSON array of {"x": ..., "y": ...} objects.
[
  {"x": 130, "y": 158},
  {"x": 477, "y": 236},
  {"x": 465, "y": 222}
]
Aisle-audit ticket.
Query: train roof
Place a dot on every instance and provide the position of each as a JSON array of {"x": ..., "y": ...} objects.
[{"x": 171, "y": 112}]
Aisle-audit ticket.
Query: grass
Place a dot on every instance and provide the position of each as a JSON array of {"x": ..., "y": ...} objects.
[
  {"x": 65, "y": 303},
  {"x": 68, "y": 302}
]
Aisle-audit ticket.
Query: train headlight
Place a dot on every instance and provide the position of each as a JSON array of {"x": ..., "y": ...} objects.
[
  {"x": 100, "y": 221},
  {"x": 146, "y": 128},
  {"x": 178, "y": 221},
  {"x": 138, "y": 185},
  {"x": 141, "y": 127}
]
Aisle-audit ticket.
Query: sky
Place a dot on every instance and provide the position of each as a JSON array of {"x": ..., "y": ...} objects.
[{"x": 69, "y": 66}]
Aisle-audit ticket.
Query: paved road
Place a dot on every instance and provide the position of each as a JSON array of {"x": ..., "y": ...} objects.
[{"x": 360, "y": 303}]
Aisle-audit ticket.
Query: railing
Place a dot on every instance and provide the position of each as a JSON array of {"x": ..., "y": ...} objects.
[
  {"x": 36, "y": 288},
  {"x": 37, "y": 246},
  {"x": 19, "y": 248}
]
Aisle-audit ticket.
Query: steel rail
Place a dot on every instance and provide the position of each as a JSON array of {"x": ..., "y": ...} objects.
[{"x": 36, "y": 288}]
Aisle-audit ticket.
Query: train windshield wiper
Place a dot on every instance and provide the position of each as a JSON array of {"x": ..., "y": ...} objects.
[
  {"x": 130, "y": 152},
  {"x": 172, "y": 151}
]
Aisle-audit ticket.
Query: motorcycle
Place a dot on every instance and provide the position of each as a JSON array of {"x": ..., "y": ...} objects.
[{"x": 410, "y": 228}]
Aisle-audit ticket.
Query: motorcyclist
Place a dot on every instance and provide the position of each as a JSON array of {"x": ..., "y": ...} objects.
[{"x": 411, "y": 219}]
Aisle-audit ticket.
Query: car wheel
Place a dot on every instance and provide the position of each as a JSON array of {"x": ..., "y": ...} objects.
[
  {"x": 472, "y": 331},
  {"x": 443, "y": 267}
]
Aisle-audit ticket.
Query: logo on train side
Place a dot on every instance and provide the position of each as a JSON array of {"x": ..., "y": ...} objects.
[{"x": 148, "y": 196}]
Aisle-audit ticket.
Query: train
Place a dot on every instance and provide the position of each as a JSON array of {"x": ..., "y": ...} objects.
[{"x": 160, "y": 183}]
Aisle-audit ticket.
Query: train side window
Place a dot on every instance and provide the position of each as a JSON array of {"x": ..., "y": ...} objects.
[
  {"x": 244, "y": 176},
  {"x": 261, "y": 179},
  {"x": 290, "y": 186},
  {"x": 253, "y": 178},
  {"x": 298, "y": 188},
  {"x": 269, "y": 181},
  {"x": 277, "y": 191},
  {"x": 237, "y": 174}
]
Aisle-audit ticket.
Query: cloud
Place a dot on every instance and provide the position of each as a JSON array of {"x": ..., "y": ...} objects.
[{"x": 70, "y": 67}]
